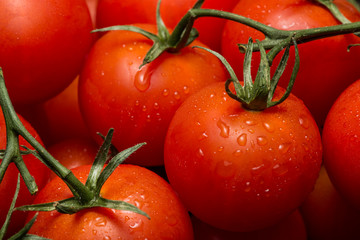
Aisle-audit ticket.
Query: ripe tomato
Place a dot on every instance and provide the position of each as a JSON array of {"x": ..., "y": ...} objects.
[
  {"x": 241, "y": 170},
  {"x": 58, "y": 118},
  {"x": 320, "y": 80},
  {"x": 120, "y": 12},
  {"x": 74, "y": 152},
  {"x": 133, "y": 184},
  {"x": 139, "y": 103},
  {"x": 43, "y": 45},
  {"x": 8, "y": 184},
  {"x": 327, "y": 215},
  {"x": 342, "y": 144},
  {"x": 291, "y": 227}
]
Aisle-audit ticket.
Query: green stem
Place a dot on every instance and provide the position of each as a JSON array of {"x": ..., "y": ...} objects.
[
  {"x": 273, "y": 36},
  {"x": 15, "y": 128}
]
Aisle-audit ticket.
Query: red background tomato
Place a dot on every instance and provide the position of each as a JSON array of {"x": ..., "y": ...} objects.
[
  {"x": 241, "y": 170},
  {"x": 326, "y": 68},
  {"x": 43, "y": 45},
  {"x": 139, "y": 103},
  {"x": 58, "y": 118},
  {"x": 342, "y": 144},
  {"x": 119, "y": 12},
  {"x": 327, "y": 215},
  {"x": 133, "y": 184},
  {"x": 8, "y": 185},
  {"x": 74, "y": 152}
]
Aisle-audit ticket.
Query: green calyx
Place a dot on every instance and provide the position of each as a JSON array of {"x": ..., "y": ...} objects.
[
  {"x": 183, "y": 34},
  {"x": 258, "y": 95},
  {"x": 96, "y": 179}
]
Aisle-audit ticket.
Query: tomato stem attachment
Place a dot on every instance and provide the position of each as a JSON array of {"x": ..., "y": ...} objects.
[
  {"x": 258, "y": 95},
  {"x": 181, "y": 37},
  {"x": 98, "y": 175}
]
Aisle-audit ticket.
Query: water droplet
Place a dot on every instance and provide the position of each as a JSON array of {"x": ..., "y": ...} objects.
[
  {"x": 148, "y": 118},
  {"x": 200, "y": 153},
  {"x": 137, "y": 103},
  {"x": 177, "y": 95},
  {"x": 156, "y": 106},
  {"x": 285, "y": 147},
  {"x": 250, "y": 130},
  {"x": 268, "y": 127},
  {"x": 237, "y": 153},
  {"x": 224, "y": 129},
  {"x": 220, "y": 149},
  {"x": 107, "y": 238},
  {"x": 257, "y": 169},
  {"x": 137, "y": 224},
  {"x": 247, "y": 187},
  {"x": 165, "y": 92},
  {"x": 186, "y": 89},
  {"x": 242, "y": 139},
  {"x": 280, "y": 170},
  {"x": 142, "y": 79},
  {"x": 250, "y": 122},
  {"x": 261, "y": 140},
  {"x": 304, "y": 122},
  {"x": 144, "y": 108},
  {"x": 203, "y": 136},
  {"x": 100, "y": 222}
]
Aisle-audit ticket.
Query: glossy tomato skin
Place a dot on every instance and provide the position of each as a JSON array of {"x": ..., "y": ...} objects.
[
  {"x": 133, "y": 184},
  {"x": 326, "y": 67},
  {"x": 8, "y": 184},
  {"x": 291, "y": 227},
  {"x": 119, "y": 12},
  {"x": 342, "y": 146},
  {"x": 241, "y": 170},
  {"x": 43, "y": 45},
  {"x": 139, "y": 103}
]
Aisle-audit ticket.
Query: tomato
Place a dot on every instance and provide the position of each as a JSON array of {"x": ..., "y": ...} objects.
[
  {"x": 43, "y": 45},
  {"x": 241, "y": 170},
  {"x": 8, "y": 184},
  {"x": 326, "y": 68},
  {"x": 58, "y": 118},
  {"x": 139, "y": 103},
  {"x": 120, "y": 12},
  {"x": 342, "y": 144},
  {"x": 327, "y": 215},
  {"x": 133, "y": 184},
  {"x": 291, "y": 227},
  {"x": 74, "y": 152}
]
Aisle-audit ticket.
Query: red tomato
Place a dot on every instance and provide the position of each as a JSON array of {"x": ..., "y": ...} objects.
[
  {"x": 8, "y": 185},
  {"x": 341, "y": 140},
  {"x": 241, "y": 170},
  {"x": 43, "y": 45},
  {"x": 58, "y": 118},
  {"x": 74, "y": 152},
  {"x": 120, "y": 12},
  {"x": 327, "y": 215},
  {"x": 291, "y": 227},
  {"x": 326, "y": 68},
  {"x": 139, "y": 103},
  {"x": 133, "y": 184}
]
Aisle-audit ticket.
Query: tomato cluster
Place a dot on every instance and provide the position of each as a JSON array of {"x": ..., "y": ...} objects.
[{"x": 211, "y": 168}]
